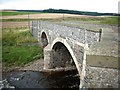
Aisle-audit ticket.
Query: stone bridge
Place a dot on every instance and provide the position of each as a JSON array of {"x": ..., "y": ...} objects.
[{"x": 68, "y": 47}]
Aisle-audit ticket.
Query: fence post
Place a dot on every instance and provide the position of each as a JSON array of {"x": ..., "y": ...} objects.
[{"x": 100, "y": 33}]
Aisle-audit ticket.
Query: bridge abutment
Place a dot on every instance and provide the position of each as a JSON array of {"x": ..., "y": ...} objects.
[{"x": 47, "y": 57}]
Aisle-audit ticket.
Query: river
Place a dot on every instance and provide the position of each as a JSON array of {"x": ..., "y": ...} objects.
[{"x": 44, "y": 80}]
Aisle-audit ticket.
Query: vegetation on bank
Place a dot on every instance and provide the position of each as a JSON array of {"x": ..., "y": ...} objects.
[
  {"x": 16, "y": 50},
  {"x": 16, "y": 37},
  {"x": 20, "y": 55}
]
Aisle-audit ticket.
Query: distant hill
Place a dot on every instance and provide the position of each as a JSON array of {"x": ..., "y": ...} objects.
[
  {"x": 77, "y": 12},
  {"x": 70, "y": 12}
]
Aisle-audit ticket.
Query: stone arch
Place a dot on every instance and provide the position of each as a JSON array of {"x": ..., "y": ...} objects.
[
  {"x": 61, "y": 57},
  {"x": 64, "y": 43},
  {"x": 66, "y": 53},
  {"x": 44, "y": 39}
]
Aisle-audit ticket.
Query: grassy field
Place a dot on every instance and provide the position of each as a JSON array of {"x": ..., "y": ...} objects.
[
  {"x": 7, "y": 13},
  {"x": 112, "y": 20},
  {"x": 107, "y": 20},
  {"x": 15, "y": 51},
  {"x": 98, "y": 20}
]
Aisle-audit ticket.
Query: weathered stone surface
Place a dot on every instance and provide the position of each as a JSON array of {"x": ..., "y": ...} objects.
[
  {"x": 55, "y": 30},
  {"x": 102, "y": 77},
  {"x": 94, "y": 54},
  {"x": 103, "y": 54}
]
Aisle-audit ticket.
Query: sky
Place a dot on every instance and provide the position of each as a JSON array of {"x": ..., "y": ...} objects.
[{"x": 104, "y": 6}]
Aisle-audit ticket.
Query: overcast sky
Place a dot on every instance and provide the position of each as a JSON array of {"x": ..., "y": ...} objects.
[{"x": 106, "y": 6}]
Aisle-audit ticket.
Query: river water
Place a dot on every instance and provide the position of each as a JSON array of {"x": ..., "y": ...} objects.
[{"x": 44, "y": 80}]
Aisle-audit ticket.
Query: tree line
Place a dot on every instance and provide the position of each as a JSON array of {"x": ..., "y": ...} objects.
[{"x": 70, "y": 12}]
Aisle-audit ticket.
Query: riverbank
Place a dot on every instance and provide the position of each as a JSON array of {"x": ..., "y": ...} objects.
[
  {"x": 33, "y": 76},
  {"x": 36, "y": 65},
  {"x": 18, "y": 48}
]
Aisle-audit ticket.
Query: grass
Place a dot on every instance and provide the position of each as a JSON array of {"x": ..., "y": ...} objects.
[
  {"x": 20, "y": 55},
  {"x": 16, "y": 13},
  {"x": 16, "y": 20},
  {"x": 14, "y": 53},
  {"x": 111, "y": 20},
  {"x": 103, "y": 20},
  {"x": 26, "y": 20},
  {"x": 12, "y": 29},
  {"x": 16, "y": 37}
]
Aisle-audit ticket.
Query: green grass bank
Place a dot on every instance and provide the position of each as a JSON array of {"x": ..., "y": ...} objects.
[{"x": 16, "y": 51}]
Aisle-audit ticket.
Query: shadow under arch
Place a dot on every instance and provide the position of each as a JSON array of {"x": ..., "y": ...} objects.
[
  {"x": 44, "y": 40},
  {"x": 63, "y": 57},
  {"x": 60, "y": 43}
]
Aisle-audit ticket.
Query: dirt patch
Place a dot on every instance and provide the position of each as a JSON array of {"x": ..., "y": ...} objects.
[
  {"x": 14, "y": 24},
  {"x": 34, "y": 66}
]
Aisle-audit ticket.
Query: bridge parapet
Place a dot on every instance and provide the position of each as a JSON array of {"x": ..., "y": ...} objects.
[{"x": 79, "y": 34}]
